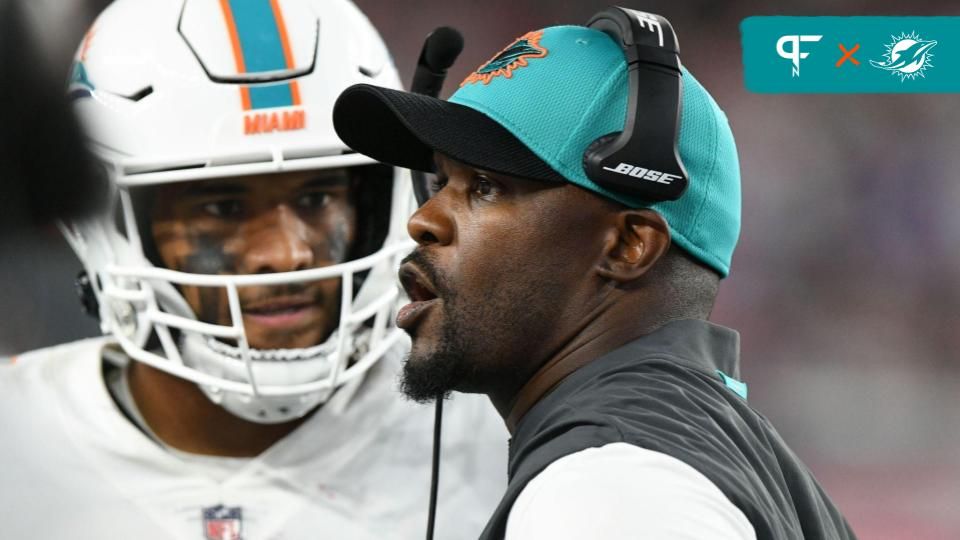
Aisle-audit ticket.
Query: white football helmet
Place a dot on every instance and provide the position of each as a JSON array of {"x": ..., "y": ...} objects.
[{"x": 187, "y": 90}]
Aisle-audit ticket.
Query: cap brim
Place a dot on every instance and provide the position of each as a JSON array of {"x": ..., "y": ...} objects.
[{"x": 405, "y": 129}]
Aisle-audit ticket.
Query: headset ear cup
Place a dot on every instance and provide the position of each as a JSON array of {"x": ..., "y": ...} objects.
[{"x": 595, "y": 147}]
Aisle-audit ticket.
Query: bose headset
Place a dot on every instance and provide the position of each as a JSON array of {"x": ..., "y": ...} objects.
[
  {"x": 643, "y": 160},
  {"x": 648, "y": 142}
]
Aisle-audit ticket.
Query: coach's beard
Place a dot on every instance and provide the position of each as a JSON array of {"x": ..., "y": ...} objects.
[
  {"x": 465, "y": 356},
  {"x": 429, "y": 375},
  {"x": 484, "y": 341},
  {"x": 433, "y": 374}
]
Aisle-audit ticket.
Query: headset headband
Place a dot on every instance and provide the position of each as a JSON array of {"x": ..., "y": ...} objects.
[{"x": 643, "y": 160}]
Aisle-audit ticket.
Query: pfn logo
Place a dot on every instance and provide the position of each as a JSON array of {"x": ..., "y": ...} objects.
[
  {"x": 643, "y": 173},
  {"x": 268, "y": 122},
  {"x": 794, "y": 54}
]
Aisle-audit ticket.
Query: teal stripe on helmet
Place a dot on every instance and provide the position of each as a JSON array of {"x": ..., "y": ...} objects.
[
  {"x": 273, "y": 95},
  {"x": 259, "y": 35},
  {"x": 262, "y": 50}
]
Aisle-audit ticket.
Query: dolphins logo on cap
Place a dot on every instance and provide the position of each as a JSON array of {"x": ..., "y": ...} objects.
[
  {"x": 506, "y": 61},
  {"x": 907, "y": 56}
]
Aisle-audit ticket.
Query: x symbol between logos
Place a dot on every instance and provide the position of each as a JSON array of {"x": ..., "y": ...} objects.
[{"x": 848, "y": 55}]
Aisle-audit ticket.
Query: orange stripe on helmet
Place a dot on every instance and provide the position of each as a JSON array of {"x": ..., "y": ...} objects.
[
  {"x": 295, "y": 92},
  {"x": 282, "y": 30},
  {"x": 237, "y": 51},
  {"x": 287, "y": 50},
  {"x": 87, "y": 41}
]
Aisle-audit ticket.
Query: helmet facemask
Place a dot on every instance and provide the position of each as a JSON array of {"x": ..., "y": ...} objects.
[{"x": 195, "y": 315}]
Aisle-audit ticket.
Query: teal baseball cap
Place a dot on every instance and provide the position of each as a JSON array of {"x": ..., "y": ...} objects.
[{"x": 532, "y": 111}]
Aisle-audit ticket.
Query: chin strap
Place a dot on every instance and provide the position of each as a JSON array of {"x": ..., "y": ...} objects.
[{"x": 435, "y": 469}]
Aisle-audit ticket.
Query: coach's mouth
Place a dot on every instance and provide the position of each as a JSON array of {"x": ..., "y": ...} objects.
[{"x": 421, "y": 293}]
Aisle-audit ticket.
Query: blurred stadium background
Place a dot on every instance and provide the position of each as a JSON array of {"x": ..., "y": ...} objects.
[{"x": 845, "y": 286}]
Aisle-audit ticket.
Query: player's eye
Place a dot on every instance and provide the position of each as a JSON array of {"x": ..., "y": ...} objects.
[
  {"x": 313, "y": 200},
  {"x": 226, "y": 208}
]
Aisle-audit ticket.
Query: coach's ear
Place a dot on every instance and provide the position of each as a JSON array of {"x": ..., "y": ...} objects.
[{"x": 635, "y": 242}]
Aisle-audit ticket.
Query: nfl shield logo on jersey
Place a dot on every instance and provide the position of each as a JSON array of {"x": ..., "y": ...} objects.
[{"x": 222, "y": 522}]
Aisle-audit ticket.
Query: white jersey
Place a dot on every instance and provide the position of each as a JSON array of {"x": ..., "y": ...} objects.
[
  {"x": 624, "y": 491},
  {"x": 75, "y": 467}
]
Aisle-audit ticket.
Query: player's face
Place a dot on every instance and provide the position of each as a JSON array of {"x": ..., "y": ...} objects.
[
  {"x": 500, "y": 262},
  {"x": 255, "y": 225}
]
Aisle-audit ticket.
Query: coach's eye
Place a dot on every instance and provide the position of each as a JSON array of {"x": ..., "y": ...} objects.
[
  {"x": 437, "y": 183},
  {"x": 484, "y": 186},
  {"x": 226, "y": 208}
]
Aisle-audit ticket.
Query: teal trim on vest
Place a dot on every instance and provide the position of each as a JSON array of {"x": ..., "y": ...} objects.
[{"x": 739, "y": 387}]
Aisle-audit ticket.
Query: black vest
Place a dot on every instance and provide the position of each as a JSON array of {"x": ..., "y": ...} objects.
[{"x": 663, "y": 392}]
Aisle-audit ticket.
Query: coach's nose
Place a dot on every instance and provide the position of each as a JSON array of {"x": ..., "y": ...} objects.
[
  {"x": 279, "y": 241},
  {"x": 432, "y": 223}
]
